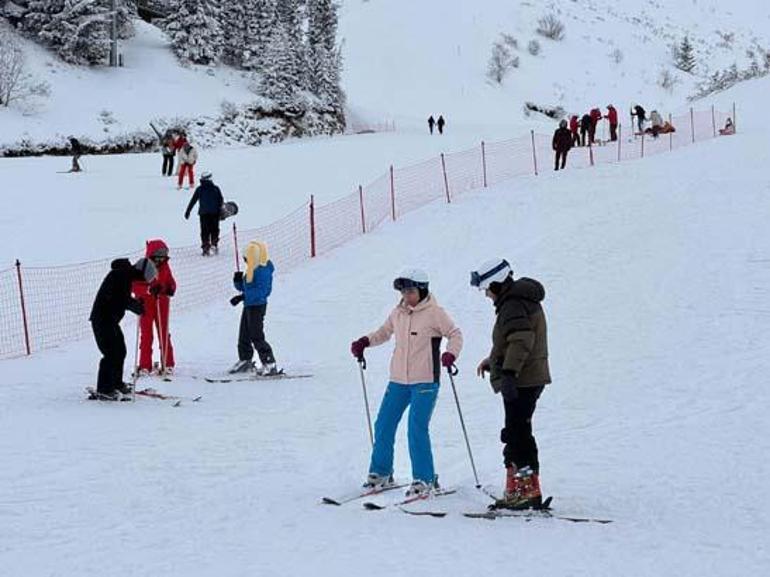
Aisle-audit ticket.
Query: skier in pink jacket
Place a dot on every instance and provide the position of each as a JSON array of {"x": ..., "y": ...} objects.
[{"x": 419, "y": 324}]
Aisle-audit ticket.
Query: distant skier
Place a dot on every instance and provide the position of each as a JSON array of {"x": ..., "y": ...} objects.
[
  {"x": 431, "y": 123},
  {"x": 596, "y": 116},
  {"x": 641, "y": 116},
  {"x": 728, "y": 129},
  {"x": 255, "y": 286},
  {"x": 562, "y": 142},
  {"x": 419, "y": 324},
  {"x": 209, "y": 210},
  {"x": 585, "y": 127},
  {"x": 77, "y": 152},
  {"x": 168, "y": 151},
  {"x": 518, "y": 368},
  {"x": 440, "y": 123},
  {"x": 657, "y": 123},
  {"x": 156, "y": 300},
  {"x": 612, "y": 118},
  {"x": 110, "y": 305},
  {"x": 188, "y": 156},
  {"x": 574, "y": 126}
]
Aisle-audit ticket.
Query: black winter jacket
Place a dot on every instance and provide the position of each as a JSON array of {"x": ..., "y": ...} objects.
[{"x": 114, "y": 296}]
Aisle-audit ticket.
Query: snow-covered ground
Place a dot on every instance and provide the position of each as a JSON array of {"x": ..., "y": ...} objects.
[{"x": 656, "y": 276}]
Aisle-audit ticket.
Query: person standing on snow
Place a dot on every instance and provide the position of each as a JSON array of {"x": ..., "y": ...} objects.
[
  {"x": 419, "y": 324},
  {"x": 440, "y": 123},
  {"x": 562, "y": 143},
  {"x": 657, "y": 123},
  {"x": 518, "y": 368},
  {"x": 188, "y": 156},
  {"x": 641, "y": 116},
  {"x": 209, "y": 211},
  {"x": 596, "y": 116},
  {"x": 431, "y": 123},
  {"x": 574, "y": 125},
  {"x": 168, "y": 151},
  {"x": 255, "y": 286},
  {"x": 612, "y": 118},
  {"x": 110, "y": 305},
  {"x": 77, "y": 152},
  {"x": 156, "y": 300},
  {"x": 585, "y": 127}
]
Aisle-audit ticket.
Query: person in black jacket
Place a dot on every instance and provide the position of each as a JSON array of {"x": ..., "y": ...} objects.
[
  {"x": 431, "y": 123},
  {"x": 441, "y": 123},
  {"x": 585, "y": 128},
  {"x": 209, "y": 211},
  {"x": 110, "y": 305},
  {"x": 562, "y": 143},
  {"x": 641, "y": 116},
  {"x": 77, "y": 152}
]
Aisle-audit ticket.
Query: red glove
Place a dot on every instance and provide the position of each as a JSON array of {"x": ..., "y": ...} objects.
[
  {"x": 447, "y": 360},
  {"x": 357, "y": 347}
]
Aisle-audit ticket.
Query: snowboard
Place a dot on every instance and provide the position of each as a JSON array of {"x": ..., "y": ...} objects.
[{"x": 228, "y": 209}]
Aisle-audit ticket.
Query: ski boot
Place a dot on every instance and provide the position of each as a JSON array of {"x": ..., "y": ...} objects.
[
  {"x": 241, "y": 367},
  {"x": 268, "y": 370},
  {"x": 375, "y": 481},
  {"x": 522, "y": 490},
  {"x": 139, "y": 373},
  {"x": 215, "y": 248},
  {"x": 421, "y": 488}
]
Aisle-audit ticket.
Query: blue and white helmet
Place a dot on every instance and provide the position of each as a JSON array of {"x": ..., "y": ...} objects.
[
  {"x": 411, "y": 278},
  {"x": 495, "y": 270}
]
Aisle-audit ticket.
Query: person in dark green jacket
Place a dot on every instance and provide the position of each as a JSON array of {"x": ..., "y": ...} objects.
[{"x": 518, "y": 369}]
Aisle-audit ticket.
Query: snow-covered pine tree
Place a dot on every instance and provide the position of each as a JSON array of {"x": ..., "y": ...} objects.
[
  {"x": 290, "y": 16},
  {"x": 279, "y": 82},
  {"x": 233, "y": 22},
  {"x": 194, "y": 31},
  {"x": 684, "y": 56},
  {"x": 261, "y": 19},
  {"x": 324, "y": 58},
  {"x": 77, "y": 30}
]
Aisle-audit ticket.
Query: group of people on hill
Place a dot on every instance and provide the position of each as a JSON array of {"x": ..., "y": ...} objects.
[
  {"x": 176, "y": 144},
  {"x": 440, "y": 123}
]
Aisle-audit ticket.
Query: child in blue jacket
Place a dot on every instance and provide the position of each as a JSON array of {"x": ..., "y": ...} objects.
[{"x": 255, "y": 284}]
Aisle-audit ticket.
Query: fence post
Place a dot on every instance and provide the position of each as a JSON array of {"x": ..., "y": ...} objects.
[
  {"x": 312, "y": 226},
  {"x": 361, "y": 202},
  {"x": 590, "y": 152},
  {"x": 692, "y": 124},
  {"x": 713, "y": 121},
  {"x": 642, "y": 143},
  {"x": 446, "y": 180},
  {"x": 534, "y": 154},
  {"x": 484, "y": 162},
  {"x": 735, "y": 121},
  {"x": 235, "y": 244},
  {"x": 23, "y": 308},
  {"x": 670, "y": 134},
  {"x": 620, "y": 139},
  {"x": 392, "y": 195}
]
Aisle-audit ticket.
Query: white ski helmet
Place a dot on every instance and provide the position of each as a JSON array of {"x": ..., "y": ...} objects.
[
  {"x": 411, "y": 278},
  {"x": 147, "y": 268},
  {"x": 495, "y": 270}
]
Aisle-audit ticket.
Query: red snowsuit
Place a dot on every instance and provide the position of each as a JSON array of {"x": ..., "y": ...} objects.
[
  {"x": 156, "y": 297},
  {"x": 612, "y": 117},
  {"x": 573, "y": 128},
  {"x": 596, "y": 116}
]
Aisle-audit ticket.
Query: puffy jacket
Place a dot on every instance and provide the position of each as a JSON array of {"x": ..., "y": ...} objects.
[
  {"x": 612, "y": 115},
  {"x": 165, "y": 281},
  {"x": 114, "y": 295},
  {"x": 596, "y": 116},
  {"x": 519, "y": 337},
  {"x": 210, "y": 198},
  {"x": 573, "y": 124},
  {"x": 419, "y": 330},
  {"x": 257, "y": 282},
  {"x": 656, "y": 118},
  {"x": 562, "y": 139},
  {"x": 188, "y": 154},
  {"x": 640, "y": 112},
  {"x": 585, "y": 122}
]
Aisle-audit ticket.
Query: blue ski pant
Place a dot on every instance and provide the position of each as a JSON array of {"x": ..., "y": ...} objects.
[{"x": 420, "y": 398}]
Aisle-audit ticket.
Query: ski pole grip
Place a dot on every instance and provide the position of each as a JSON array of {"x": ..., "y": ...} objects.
[
  {"x": 453, "y": 370},
  {"x": 362, "y": 362}
]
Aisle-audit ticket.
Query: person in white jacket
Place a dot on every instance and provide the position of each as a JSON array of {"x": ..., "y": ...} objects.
[{"x": 188, "y": 156}]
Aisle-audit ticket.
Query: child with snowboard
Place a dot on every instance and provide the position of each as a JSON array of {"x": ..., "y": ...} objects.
[
  {"x": 156, "y": 299},
  {"x": 255, "y": 286},
  {"x": 419, "y": 324}
]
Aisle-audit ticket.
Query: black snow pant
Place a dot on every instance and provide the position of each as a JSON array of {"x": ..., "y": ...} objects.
[
  {"x": 209, "y": 231},
  {"x": 252, "y": 335},
  {"x": 561, "y": 154},
  {"x": 520, "y": 445},
  {"x": 583, "y": 133},
  {"x": 168, "y": 165},
  {"x": 576, "y": 139},
  {"x": 613, "y": 132},
  {"x": 76, "y": 163},
  {"x": 112, "y": 345}
]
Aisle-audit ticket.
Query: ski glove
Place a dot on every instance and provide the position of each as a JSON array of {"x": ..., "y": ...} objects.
[
  {"x": 155, "y": 290},
  {"x": 236, "y": 300},
  {"x": 187, "y": 216},
  {"x": 170, "y": 292},
  {"x": 136, "y": 307},
  {"x": 237, "y": 277},
  {"x": 447, "y": 360},
  {"x": 357, "y": 347}
]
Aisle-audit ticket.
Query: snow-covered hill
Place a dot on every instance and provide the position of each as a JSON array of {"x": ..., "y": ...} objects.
[{"x": 656, "y": 277}]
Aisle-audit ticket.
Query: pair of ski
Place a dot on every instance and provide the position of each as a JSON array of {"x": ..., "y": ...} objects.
[
  {"x": 542, "y": 512},
  {"x": 93, "y": 395},
  {"x": 253, "y": 376}
]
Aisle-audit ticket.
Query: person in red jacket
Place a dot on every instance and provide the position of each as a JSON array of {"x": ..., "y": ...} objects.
[
  {"x": 596, "y": 116},
  {"x": 156, "y": 298},
  {"x": 574, "y": 125},
  {"x": 612, "y": 117}
]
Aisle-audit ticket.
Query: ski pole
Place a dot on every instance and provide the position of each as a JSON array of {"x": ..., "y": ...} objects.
[
  {"x": 452, "y": 371},
  {"x": 136, "y": 360},
  {"x": 362, "y": 368},
  {"x": 166, "y": 338}
]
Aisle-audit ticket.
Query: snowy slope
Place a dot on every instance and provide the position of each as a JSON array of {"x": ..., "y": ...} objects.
[{"x": 657, "y": 277}]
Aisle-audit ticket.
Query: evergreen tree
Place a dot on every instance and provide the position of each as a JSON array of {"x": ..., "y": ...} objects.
[
  {"x": 194, "y": 31},
  {"x": 684, "y": 56},
  {"x": 233, "y": 23},
  {"x": 262, "y": 18},
  {"x": 324, "y": 58},
  {"x": 278, "y": 82}
]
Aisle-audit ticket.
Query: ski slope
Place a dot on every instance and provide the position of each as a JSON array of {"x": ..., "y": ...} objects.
[{"x": 656, "y": 275}]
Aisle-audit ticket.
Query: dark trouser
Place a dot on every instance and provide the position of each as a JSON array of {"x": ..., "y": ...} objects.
[
  {"x": 520, "y": 446},
  {"x": 592, "y": 134},
  {"x": 75, "y": 163},
  {"x": 655, "y": 131},
  {"x": 613, "y": 132},
  {"x": 209, "y": 231},
  {"x": 252, "y": 335},
  {"x": 112, "y": 345},
  {"x": 583, "y": 132},
  {"x": 561, "y": 154},
  {"x": 441, "y": 129},
  {"x": 168, "y": 164},
  {"x": 575, "y": 139},
  {"x": 640, "y": 124}
]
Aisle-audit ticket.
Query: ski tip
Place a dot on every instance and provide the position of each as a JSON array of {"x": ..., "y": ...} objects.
[
  {"x": 197, "y": 399},
  {"x": 330, "y": 501},
  {"x": 177, "y": 404},
  {"x": 369, "y": 506}
]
